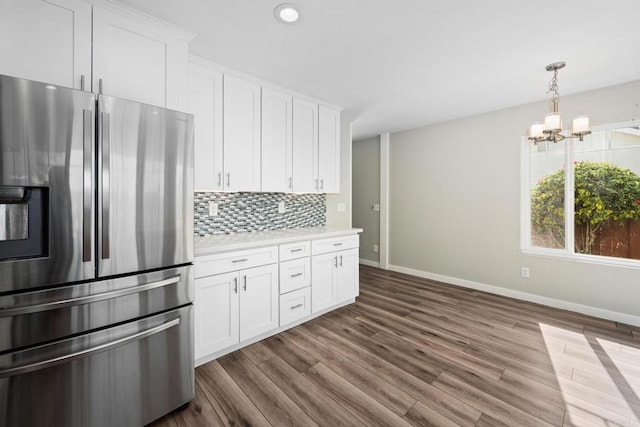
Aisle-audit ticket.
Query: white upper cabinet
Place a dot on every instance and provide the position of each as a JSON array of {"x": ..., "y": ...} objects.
[
  {"x": 241, "y": 134},
  {"x": 328, "y": 150},
  {"x": 277, "y": 142},
  {"x": 250, "y": 137},
  {"x": 305, "y": 146},
  {"x": 47, "y": 41},
  {"x": 64, "y": 42},
  {"x": 138, "y": 60},
  {"x": 205, "y": 103}
]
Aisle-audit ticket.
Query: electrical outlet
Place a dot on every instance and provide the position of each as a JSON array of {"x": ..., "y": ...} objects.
[
  {"x": 281, "y": 208},
  {"x": 375, "y": 248},
  {"x": 376, "y": 207},
  {"x": 213, "y": 209},
  {"x": 525, "y": 272}
]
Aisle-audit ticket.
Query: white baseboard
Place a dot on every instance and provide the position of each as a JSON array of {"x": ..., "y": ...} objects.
[
  {"x": 524, "y": 296},
  {"x": 369, "y": 263}
]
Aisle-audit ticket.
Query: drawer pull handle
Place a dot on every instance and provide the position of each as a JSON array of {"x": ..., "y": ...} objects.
[
  {"x": 65, "y": 358},
  {"x": 337, "y": 244},
  {"x": 296, "y": 275},
  {"x": 296, "y": 250},
  {"x": 239, "y": 260},
  {"x": 293, "y": 307}
]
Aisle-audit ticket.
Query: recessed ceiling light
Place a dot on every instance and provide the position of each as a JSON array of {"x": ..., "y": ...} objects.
[{"x": 287, "y": 13}]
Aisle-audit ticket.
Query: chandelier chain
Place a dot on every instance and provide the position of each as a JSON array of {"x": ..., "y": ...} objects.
[{"x": 553, "y": 84}]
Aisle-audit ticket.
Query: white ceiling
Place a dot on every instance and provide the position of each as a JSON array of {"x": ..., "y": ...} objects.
[{"x": 400, "y": 64}]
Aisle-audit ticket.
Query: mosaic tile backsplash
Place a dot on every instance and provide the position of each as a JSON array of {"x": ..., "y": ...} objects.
[{"x": 246, "y": 212}]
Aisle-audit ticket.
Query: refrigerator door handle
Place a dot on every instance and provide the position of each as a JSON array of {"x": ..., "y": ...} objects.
[
  {"x": 9, "y": 372},
  {"x": 106, "y": 161},
  {"x": 87, "y": 176},
  {"x": 35, "y": 308}
]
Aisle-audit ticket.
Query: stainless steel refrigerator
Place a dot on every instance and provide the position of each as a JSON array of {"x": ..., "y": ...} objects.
[{"x": 96, "y": 252}]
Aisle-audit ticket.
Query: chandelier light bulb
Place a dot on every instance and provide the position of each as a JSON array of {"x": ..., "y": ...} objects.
[
  {"x": 580, "y": 124},
  {"x": 552, "y": 122},
  {"x": 536, "y": 130}
]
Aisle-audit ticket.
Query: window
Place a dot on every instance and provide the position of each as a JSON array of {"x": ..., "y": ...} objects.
[{"x": 582, "y": 198}]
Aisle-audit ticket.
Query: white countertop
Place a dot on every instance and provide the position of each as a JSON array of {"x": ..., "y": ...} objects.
[{"x": 212, "y": 244}]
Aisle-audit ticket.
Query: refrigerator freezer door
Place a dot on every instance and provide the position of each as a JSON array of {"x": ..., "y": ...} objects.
[
  {"x": 145, "y": 187},
  {"x": 126, "y": 375},
  {"x": 46, "y": 162},
  {"x": 30, "y": 318}
]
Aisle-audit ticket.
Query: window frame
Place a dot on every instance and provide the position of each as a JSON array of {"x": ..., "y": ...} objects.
[{"x": 568, "y": 252}]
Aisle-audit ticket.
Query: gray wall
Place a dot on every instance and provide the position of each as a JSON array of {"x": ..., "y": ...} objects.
[
  {"x": 455, "y": 204},
  {"x": 366, "y": 192},
  {"x": 335, "y": 218}
]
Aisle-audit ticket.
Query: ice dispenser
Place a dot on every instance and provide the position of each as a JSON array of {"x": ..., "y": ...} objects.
[{"x": 23, "y": 222}]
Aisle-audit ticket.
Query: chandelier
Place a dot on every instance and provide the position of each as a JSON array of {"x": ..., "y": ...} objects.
[{"x": 551, "y": 129}]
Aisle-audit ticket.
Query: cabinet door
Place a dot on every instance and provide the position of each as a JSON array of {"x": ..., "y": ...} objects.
[
  {"x": 348, "y": 280},
  {"x": 136, "y": 60},
  {"x": 328, "y": 150},
  {"x": 324, "y": 290},
  {"x": 258, "y": 300},
  {"x": 241, "y": 135},
  {"x": 277, "y": 153},
  {"x": 205, "y": 103},
  {"x": 216, "y": 313},
  {"x": 305, "y": 146},
  {"x": 47, "y": 41}
]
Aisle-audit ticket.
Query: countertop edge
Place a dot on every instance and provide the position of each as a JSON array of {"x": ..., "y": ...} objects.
[{"x": 254, "y": 240}]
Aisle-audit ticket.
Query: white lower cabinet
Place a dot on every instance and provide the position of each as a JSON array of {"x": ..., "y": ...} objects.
[
  {"x": 348, "y": 269},
  {"x": 216, "y": 313},
  {"x": 334, "y": 278},
  {"x": 324, "y": 284},
  {"x": 258, "y": 300},
  {"x": 233, "y": 307},
  {"x": 244, "y": 294}
]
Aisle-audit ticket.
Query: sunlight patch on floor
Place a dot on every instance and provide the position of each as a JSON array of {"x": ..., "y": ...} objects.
[{"x": 604, "y": 382}]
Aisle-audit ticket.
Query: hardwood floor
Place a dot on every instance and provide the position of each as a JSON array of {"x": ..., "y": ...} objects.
[{"x": 416, "y": 352}]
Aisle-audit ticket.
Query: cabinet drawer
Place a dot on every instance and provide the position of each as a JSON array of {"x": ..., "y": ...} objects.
[
  {"x": 295, "y": 250},
  {"x": 234, "y": 261},
  {"x": 295, "y": 305},
  {"x": 323, "y": 246},
  {"x": 295, "y": 274}
]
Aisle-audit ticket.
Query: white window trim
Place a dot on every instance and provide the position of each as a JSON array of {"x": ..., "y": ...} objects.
[{"x": 525, "y": 208}]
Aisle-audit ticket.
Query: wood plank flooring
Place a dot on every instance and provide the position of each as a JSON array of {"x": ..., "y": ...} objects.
[{"x": 412, "y": 351}]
